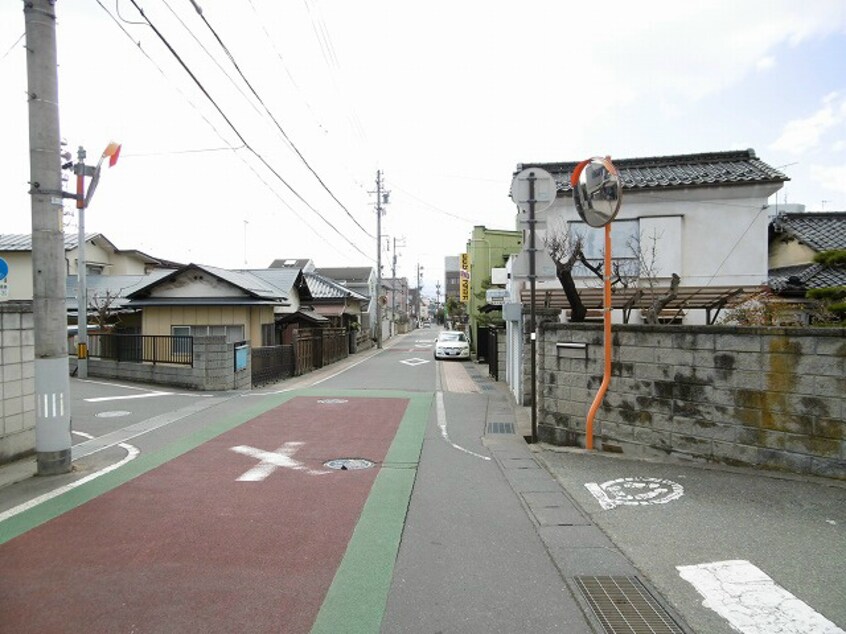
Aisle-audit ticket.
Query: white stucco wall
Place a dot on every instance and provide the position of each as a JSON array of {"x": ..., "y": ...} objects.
[{"x": 711, "y": 236}]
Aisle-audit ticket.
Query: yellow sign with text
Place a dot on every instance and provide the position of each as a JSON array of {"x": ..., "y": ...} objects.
[
  {"x": 464, "y": 290},
  {"x": 464, "y": 259}
]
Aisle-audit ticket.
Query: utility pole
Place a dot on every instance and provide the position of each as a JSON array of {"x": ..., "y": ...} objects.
[
  {"x": 381, "y": 198},
  {"x": 52, "y": 383},
  {"x": 394, "y": 281}
]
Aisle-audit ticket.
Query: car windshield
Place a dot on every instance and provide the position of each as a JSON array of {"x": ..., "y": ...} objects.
[{"x": 453, "y": 336}]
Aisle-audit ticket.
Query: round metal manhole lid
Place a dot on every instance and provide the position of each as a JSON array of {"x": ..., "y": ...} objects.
[
  {"x": 114, "y": 414},
  {"x": 349, "y": 464},
  {"x": 332, "y": 401}
]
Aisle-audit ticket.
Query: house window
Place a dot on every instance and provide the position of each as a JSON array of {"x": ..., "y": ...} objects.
[
  {"x": 232, "y": 333},
  {"x": 268, "y": 335},
  {"x": 624, "y": 244},
  {"x": 180, "y": 346}
]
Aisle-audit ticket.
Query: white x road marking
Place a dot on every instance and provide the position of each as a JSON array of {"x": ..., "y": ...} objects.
[{"x": 270, "y": 461}]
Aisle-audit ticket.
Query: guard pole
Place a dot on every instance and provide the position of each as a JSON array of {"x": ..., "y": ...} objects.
[
  {"x": 52, "y": 383},
  {"x": 606, "y": 378}
]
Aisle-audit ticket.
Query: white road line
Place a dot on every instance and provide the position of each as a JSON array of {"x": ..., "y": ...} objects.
[
  {"x": 751, "y": 601},
  {"x": 132, "y": 431},
  {"x": 126, "y": 397},
  {"x": 131, "y": 454},
  {"x": 441, "y": 413}
]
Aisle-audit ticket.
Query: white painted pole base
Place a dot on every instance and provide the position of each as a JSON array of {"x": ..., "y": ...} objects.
[{"x": 52, "y": 416}]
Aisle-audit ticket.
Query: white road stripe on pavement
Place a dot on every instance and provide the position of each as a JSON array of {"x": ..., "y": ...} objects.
[
  {"x": 442, "y": 423},
  {"x": 132, "y": 452},
  {"x": 751, "y": 601},
  {"x": 125, "y": 397}
]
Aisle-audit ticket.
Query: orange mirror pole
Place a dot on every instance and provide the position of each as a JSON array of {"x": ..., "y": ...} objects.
[{"x": 606, "y": 377}]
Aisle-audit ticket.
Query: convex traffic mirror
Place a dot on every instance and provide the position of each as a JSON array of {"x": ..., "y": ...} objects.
[{"x": 597, "y": 191}]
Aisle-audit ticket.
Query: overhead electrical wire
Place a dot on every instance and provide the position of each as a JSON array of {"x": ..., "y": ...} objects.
[
  {"x": 275, "y": 121},
  {"x": 210, "y": 124},
  {"x": 237, "y": 132}
]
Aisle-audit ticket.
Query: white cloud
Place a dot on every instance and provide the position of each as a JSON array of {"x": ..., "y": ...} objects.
[
  {"x": 831, "y": 177},
  {"x": 765, "y": 63},
  {"x": 801, "y": 135}
]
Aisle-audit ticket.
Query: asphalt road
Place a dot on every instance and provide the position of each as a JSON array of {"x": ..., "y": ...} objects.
[{"x": 459, "y": 527}]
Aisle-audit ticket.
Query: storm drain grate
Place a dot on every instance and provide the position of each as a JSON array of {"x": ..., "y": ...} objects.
[
  {"x": 500, "y": 428},
  {"x": 624, "y": 606}
]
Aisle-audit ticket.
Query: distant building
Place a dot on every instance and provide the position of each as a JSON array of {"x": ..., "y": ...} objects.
[{"x": 451, "y": 277}]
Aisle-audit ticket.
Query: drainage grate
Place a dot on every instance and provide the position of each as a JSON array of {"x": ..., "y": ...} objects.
[
  {"x": 500, "y": 428},
  {"x": 623, "y": 605}
]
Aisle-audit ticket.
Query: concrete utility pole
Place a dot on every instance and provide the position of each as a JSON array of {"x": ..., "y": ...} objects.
[
  {"x": 52, "y": 384},
  {"x": 381, "y": 197},
  {"x": 394, "y": 281},
  {"x": 81, "y": 270}
]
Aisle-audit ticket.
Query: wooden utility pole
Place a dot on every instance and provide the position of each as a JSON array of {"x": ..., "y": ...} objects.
[{"x": 52, "y": 384}]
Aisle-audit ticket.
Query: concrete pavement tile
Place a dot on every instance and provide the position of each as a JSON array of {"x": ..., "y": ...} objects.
[
  {"x": 574, "y": 537},
  {"x": 574, "y": 562},
  {"x": 526, "y": 480},
  {"x": 560, "y": 516}
]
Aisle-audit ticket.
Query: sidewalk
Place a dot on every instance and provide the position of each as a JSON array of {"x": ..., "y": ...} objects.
[{"x": 610, "y": 590}]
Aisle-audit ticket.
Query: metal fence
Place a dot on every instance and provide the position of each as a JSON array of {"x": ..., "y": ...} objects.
[
  {"x": 142, "y": 348},
  {"x": 272, "y": 363}
]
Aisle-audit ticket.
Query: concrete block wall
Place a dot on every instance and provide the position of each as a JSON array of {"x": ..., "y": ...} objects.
[
  {"x": 213, "y": 369},
  {"x": 767, "y": 397},
  {"x": 17, "y": 392}
]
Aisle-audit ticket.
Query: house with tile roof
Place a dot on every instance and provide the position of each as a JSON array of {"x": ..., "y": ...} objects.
[
  {"x": 362, "y": 280},
  {"x": 101, "y": 255},
  {"x": 794, "y": 239},
  {"x": 699, "y": 216}
]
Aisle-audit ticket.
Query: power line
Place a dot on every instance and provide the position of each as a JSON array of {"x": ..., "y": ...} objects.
[
  {"x": 209, "y": 123},
  {"x": 270, "y": 114},
  {"x": 235, "y": 129},
  {"x": 12, "y": 47}
]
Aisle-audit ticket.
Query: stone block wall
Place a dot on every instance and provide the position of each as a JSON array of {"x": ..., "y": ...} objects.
[
  {"x": 768, "y": 397},
  {"x": 17, "y": 393}
]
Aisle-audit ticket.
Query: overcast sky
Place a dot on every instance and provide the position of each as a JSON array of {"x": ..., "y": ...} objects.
[{"x": 446, "y": 98}]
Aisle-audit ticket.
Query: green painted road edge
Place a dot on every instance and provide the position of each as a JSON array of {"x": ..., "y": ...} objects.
[
  {"x": 359, "y": 592},
  {"x": 44, "y": 512}
]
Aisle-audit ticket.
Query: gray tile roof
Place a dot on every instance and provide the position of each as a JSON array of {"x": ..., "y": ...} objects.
[
  {"x": 324, "y": 288},
  {"x": 259, "y": 289},
  {"x": 806, "y": 276},
  {"x": 23, "y": 241},
  {"x": 118, "y": 286},
  {"x": 822, "y": 231},
  {"x": 284, "y": 279},
  {"x": 348, "y": 275},
  {"x": 677, "y": 171}
]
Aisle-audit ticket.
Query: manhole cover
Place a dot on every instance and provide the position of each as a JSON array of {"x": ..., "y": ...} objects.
[
  {"x": 345, "y": 464},
  {"x": 114, "y": 414},
  {"x": 332, "y": 401}
]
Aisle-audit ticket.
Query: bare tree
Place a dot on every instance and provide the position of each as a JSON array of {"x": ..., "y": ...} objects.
[
  {"x": 103, "y": 307},
  {"x": 648, "y": 273},
  {"x": 566, "y": 249}
]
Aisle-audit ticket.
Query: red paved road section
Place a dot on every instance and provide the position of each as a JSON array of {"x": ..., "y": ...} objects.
[{"x": 187, "y": 548}]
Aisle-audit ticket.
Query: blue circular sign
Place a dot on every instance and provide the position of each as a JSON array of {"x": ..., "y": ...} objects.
[{"x": 4, "y": 269}]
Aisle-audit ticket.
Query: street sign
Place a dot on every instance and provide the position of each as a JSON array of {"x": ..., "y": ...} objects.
[
  {"x": 4, "y": 274},
  {"x": 545, "y": 189}
]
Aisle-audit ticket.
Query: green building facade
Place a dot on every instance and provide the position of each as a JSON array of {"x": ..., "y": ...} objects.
[{"x": 488, "y": 249}]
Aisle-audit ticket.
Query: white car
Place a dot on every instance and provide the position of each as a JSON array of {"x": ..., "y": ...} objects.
[{"x": 452, "y": 344}]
